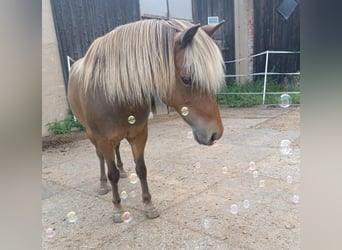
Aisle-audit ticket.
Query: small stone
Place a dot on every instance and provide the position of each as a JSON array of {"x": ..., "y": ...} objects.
[{"x": 289, "y": 225}]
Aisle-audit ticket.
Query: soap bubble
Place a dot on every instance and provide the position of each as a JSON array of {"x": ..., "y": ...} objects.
[
  {"x": 295, "y": 199},
  {"x": 72, "y": 217},
  {"x": 126, "y": 217},
  {"x": 131, "y": 119},
  {"x": 234, "y": 209},
  {"x": 285, "y": 101},
  {"x": 255, "y": 174},
  {"x": 184, "y": 111},
  {"x": 133, "y": 194},
  {"x": 251, "y": 166},
  {"x": 224, "y": 170},
  {"x": 289, "y": 179},
  {"x": 50, "y": 232},
  {"x": 206, "y": 223},
  {"x": 285, "y": 147},
  {"x": 197, "y": 164},
  {"x": 245, "y": 203},
  {"x": 123, "y": 195},
  {"x": 133, "y": 178}
]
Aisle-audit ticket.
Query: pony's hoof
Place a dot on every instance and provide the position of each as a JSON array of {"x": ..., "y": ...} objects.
[
  {"x": 117, "y": 217},
  {"x": 104, "y": 189},
  {"x": 123, "y": 175},
  {"x": 152, "y": 213}
]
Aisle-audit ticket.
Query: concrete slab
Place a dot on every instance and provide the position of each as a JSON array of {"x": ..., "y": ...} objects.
[
  {"x": 192, "y": 186},
  {"x": 163, "y": 235}
]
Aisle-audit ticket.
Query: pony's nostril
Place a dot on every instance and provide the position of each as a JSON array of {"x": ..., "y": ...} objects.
[{"x": 213, "y": 137}]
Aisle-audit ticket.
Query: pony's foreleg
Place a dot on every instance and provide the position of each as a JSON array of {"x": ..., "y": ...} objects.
[
  {"x": 104, "y": 188},
  {"x": 123, "y": 173},
  {"x": 138, "y": 147}
]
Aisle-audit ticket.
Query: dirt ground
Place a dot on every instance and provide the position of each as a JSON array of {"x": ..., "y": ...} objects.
[{"x": 194, "y": 187}]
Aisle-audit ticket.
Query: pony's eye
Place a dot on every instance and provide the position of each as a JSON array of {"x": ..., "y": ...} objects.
[{"x": 186, "y": 80}]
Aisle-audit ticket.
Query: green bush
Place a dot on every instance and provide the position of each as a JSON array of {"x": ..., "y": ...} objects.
[
  {"x": 65, "y": 126},
  {"x": 247, "y": 100}
]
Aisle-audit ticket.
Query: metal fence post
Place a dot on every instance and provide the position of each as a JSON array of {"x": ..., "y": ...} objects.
[
  {"x": 265, "y": 79},
  {"x": 68, "y": 61}
]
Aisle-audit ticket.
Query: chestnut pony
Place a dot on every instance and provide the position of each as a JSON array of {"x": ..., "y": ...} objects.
[{"x": 110, "y": 89}]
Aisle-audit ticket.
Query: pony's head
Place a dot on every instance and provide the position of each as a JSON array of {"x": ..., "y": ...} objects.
[{"x": 199, "y": 72}]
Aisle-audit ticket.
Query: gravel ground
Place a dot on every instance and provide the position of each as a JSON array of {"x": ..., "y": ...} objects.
[{"x": 194, "y": 187}]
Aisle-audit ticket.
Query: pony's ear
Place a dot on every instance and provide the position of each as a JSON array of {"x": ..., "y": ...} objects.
[
  {"x": 210, "y": 29},
  {"x": 185, "y": 37}
]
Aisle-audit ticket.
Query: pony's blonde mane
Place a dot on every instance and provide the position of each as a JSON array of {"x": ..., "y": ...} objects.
[{"x": 136, "y": 60}]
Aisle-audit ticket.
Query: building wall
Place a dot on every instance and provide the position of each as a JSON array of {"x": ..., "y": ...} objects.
[
  {"x": 244, "y": 37},
  {"x": 225, "y": 36},
  {"x": 274, "y": 32},
  {"x": 54, "y": 103},
  {"x": 78, "y": 23}
]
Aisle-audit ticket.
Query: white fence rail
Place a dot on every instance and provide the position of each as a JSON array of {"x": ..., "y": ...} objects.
[{"x": 265, "y": 74}]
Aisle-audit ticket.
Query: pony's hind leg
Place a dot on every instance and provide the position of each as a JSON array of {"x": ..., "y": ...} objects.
[
  {"x": 123, "y": 173},
  {"x": 104, "y": 188},
  {"x": 114, "y": 176},
  {"x": 107, "y": 150},
  {"x": 138, "y": 147}
]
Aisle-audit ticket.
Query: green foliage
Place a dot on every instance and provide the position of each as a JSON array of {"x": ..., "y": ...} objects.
[
  {"x": 247, "y": 100},
  {"x": 65, "y": 126}
]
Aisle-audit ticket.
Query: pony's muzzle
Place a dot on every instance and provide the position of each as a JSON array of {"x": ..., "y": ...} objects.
[{"x": 206, "y": 139}]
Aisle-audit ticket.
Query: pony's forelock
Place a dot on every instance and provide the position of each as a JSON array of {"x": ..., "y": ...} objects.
[{"x": 204, "y": 64}]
